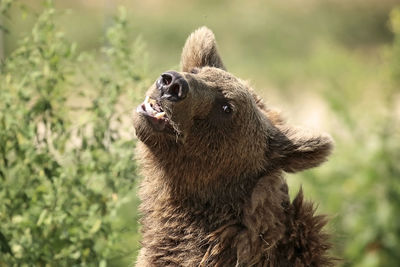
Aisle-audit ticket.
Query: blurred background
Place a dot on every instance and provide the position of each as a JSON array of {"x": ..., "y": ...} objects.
[{"x": 73, "y": 71}]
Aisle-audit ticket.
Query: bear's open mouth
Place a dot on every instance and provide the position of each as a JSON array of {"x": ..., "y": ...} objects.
[{"x": 153, "y": 111}]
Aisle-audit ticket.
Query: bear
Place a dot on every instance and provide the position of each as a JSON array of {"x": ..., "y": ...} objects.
[{"x": 212, "y": 157}]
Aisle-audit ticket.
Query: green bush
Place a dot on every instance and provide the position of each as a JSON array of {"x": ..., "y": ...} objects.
[
  {"x": 66, "y": 157},
  {"x": 360, "y": 185}
]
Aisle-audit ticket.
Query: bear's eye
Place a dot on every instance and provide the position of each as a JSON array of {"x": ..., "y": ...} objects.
[
  {"x": 226, "y": 108},
  {"x": 195, "y": 70}
]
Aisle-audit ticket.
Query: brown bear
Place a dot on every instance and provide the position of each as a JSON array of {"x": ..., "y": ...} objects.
[{"x": 213, "y": 157}]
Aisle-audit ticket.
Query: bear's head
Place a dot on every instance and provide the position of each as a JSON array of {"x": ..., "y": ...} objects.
[{"x": 212, "y": 122}]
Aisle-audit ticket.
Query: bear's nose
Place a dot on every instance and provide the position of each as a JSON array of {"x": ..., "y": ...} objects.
[{"x": 172, "y": 86}]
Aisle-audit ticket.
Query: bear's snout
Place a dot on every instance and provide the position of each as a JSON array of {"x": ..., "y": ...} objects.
[{"x": 172, "y": 86}]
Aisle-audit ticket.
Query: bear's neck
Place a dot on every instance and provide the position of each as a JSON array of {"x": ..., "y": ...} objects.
[
  {"x": 177, "y": 218},
  {"x": 201, "y": 179}
]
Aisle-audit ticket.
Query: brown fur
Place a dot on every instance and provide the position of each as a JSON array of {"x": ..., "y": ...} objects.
[{"x": 213, "y": 193}]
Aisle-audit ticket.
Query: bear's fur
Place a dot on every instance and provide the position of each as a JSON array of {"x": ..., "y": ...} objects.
[{"x": 213, "y": 193}]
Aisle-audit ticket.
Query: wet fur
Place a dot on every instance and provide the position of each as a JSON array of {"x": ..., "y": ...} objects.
[{"x": 215, "y": 195}]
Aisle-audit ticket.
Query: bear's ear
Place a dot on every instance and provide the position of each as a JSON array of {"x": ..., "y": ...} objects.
[
  {"x": 296, "y": 149},
  {"x": 200, "y": 50}
]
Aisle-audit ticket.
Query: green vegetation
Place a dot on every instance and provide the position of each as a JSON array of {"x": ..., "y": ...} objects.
[{"x": 67, "y": 169}]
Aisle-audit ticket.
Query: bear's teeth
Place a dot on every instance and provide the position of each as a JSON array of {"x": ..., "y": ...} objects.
[
  {"x": 151, "y": 101},
  {"x": 149, "y": 109},
  {"x": 159, "y": 115}
]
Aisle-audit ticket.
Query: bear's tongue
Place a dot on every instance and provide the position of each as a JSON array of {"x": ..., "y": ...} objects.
[{"x": 150, "y": 108}]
